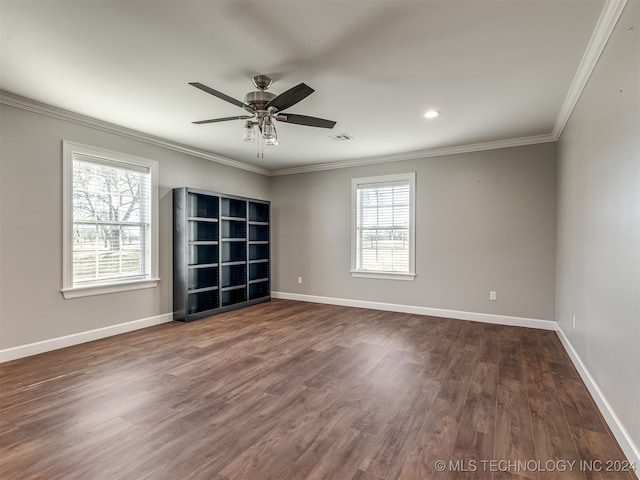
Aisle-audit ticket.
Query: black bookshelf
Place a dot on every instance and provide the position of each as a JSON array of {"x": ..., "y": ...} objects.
[{"x": 221, "y": 258}]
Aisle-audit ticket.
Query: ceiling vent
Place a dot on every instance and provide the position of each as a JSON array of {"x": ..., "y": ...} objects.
[{"x": 341, "y": 137}]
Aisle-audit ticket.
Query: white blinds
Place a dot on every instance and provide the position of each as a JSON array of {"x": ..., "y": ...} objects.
[
  {"x": 111, "y": 221},
  {"x": 383, "y": 215}
]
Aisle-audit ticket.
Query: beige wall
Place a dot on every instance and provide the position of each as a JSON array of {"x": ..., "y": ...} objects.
[
  {"x": 484, "y": 221},
  {"x": 31, "y": 305},
  {"x": 598, "y": 266}
]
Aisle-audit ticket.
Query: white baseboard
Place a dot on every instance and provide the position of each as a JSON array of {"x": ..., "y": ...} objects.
[
  {"x": 627, "y": 444},
  {"x": 68, "y": 340},
  {"x": 434, "y": 312}
]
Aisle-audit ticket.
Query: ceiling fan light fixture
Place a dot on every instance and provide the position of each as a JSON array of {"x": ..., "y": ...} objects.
[
  {"x": 249, "y": 134},
  {"x": 268, "y": 130}
]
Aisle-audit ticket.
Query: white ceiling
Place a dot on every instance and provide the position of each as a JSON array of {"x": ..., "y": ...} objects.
[{"x": 497, "y": 70}]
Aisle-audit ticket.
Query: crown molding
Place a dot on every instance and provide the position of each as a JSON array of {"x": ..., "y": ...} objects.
[
  {"x": 68, "y": 116},
  {"x": 606, "y": 23},
  {"x": 434, "y": 152}
]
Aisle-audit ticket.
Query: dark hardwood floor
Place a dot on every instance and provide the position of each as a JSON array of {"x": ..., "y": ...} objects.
[{"x": 291, "y": 391}]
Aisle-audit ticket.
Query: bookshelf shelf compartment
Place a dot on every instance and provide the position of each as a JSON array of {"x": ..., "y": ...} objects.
[
  {"x": 258, "y": 289},
  {"x": 233, "y": 251},
  {"x": 203, "y": 230},
  {"x": 258, "y": 233},
  {"x": 221, "y": 255},
  {"x": 259, "y": 212},
  {"x": 202, "y": 301},
  {"x": 233, "y": 207},
  {"x": 258, "y": 251},
  {"x": 259, "y": 271},
  {"x": 233, "y": 228},
  {"x": 234, "y": 296},
  {"x": 203, "y": 254},
  {"x": 233, "y": 275},
  {"x": 205, "y": 277},
  {"x": 203, "y": 206}
]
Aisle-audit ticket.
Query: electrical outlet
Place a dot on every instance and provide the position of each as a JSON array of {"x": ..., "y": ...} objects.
[
  {"x": 493, "y": 296},
  {"x": 300, "y": 280}
]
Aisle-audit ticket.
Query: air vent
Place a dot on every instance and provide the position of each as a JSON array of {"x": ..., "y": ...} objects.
[{"x": 341, "y": 137}]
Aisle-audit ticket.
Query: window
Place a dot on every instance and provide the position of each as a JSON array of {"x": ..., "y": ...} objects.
[
  {"x": 383, "y": 238},
  {"x": 110, "y": 221}
]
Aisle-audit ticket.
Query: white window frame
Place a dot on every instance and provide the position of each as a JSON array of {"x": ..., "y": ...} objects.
[
  {"x": 71, "y": 150},
  {"x": 409, "y": 177}
]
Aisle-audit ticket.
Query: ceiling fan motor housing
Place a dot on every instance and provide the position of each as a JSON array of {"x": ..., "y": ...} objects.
[{"x": 258, "y": 100}]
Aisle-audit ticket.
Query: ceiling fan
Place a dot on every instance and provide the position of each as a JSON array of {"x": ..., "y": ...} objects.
[{"x": 265, "y": 107}]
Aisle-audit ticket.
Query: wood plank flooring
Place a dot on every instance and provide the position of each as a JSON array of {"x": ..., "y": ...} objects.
[{"x": 291, "y": 391}]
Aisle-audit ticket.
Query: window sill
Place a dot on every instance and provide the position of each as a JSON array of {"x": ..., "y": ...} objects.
[
  {"x": 89, "y": 290},
  {"x": 384, "y": 275}
]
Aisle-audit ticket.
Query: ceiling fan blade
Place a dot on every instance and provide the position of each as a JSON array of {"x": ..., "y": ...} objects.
[
  {"x": 224, "y": 119},
  {"x": 305, "y": 120},
  {"x": 218, "y": 94},
  {"x": 291, "y": 97}
]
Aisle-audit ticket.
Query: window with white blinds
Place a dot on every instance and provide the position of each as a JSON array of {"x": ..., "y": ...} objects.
[
  {"x": 383, "y": 243},
  {"x": 110, "y": 227}
]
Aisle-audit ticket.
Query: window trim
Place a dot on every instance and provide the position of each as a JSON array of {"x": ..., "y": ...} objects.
[
  {"x": 381, "y": 179},
  {"x": 69, "y": 151}
]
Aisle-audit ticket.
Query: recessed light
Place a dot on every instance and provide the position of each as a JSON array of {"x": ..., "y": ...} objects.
[{"x": 432, "y": 114}]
